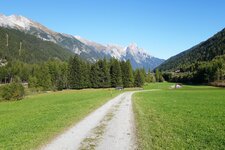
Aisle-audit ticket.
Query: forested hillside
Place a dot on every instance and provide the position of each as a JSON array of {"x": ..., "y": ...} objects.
[
  {"x": 210, "y": 72},
  {"x": 16, "y": 45},
  {"x": 204, "y": 51}
]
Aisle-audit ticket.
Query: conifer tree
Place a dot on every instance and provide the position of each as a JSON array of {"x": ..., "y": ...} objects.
[
  {"x": 104, "y": 75},
  {"x": 127, "y": 74},
  {"x": 87, "y": 74},
  {"x": 139, "y": 78},
  {"x": 143, "y": 71},
  {"x": 75, "y": 72},
  {"x": 123, "y": 71},
  {"x": 115, "y": 73},
  {"x": 84, "y": 77},
  {"x": 95, "y": 76}
]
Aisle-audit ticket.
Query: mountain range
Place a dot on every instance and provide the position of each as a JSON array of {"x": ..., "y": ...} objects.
[{"x": 86, "y": 49}]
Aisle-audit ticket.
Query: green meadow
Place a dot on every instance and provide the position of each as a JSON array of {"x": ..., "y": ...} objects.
[
  {"x": 35, "y": 120},
  {"x": 192, "y": 117}
]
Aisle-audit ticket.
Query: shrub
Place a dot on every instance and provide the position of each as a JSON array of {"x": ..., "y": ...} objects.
[{"x": 13, "y": 91}]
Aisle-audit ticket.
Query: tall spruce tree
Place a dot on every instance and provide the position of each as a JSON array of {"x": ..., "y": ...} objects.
[
  {"x": 64, "y": 75},
  {"x": 104, "y": 75},
  {"x": 143, "y": 71},
  {"x": 87, "y": 74},
  {"x": 95, "y": 76},
  {"x": 139, "y": 78},
  {"x": 75, "y": 73},
  {"x": 123, "y": 71},
  {"x": 127, "y": 74},
  {"x": 115, "y": 73}
]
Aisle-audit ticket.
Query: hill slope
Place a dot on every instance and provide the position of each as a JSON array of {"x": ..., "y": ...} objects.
[
  {"x": 32, "y": 49},
  {"x": 204, "y": 51}
]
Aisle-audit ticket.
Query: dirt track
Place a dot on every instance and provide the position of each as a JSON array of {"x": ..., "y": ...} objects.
[{"x": 110, "y": 127}]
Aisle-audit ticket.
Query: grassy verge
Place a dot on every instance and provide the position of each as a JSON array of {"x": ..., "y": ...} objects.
[
  {"x": 161, "y": 85},
  {"x": 189, "y": 118},
  {"x": 33, "y": 121}
]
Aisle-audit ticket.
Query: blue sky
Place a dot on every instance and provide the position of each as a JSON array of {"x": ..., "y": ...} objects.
[{"x": 162, "y": 27}]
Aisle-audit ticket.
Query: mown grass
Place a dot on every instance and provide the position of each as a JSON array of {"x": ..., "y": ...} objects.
[
  {"x": 31, "y": 122},
  {"x": 189, "y": 118},
  {"x": 161, "y": 85}
]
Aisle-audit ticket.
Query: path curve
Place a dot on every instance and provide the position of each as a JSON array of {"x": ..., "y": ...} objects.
[{"x": 109, "y": 127}]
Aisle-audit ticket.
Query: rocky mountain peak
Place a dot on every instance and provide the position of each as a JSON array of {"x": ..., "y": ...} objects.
[{"x": 87, "y": 49}]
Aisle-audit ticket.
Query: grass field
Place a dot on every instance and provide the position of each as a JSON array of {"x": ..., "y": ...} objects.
[
  {"x": 31, "y": 122},
  {"x": 189, "y": 118}
]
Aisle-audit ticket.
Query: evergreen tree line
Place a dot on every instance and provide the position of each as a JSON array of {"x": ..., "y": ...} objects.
[
  {"x": 76, "y": 74},
  {"x": 103, "y": 74}
]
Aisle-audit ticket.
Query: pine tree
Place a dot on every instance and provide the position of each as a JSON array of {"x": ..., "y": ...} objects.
[
  {"x": 139, "y": 78},
  {"x": 84, "y": 78},
  {"x": 87, "y": 72},
  {"x": 75, "y": 73},
  {"x": 143, "y": 71},
  {"x": 104, "y": 74},
  {"x": 95, "y": 76},
  {"x": 115, "y": 73},
  {"x": 123, "y": 71},
  {"x": 127, "y": 74},
  {"x": 64, "y": 75}
]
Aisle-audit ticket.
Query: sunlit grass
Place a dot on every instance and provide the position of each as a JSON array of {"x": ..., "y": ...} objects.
[
  {"x": 31, "y": 122},
  {"x": 189, "y": 118}
]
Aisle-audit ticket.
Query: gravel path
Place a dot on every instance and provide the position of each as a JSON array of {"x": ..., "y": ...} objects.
[
  {"x": 110, "y": 127},
  {"x": 120, "y": 132}
]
